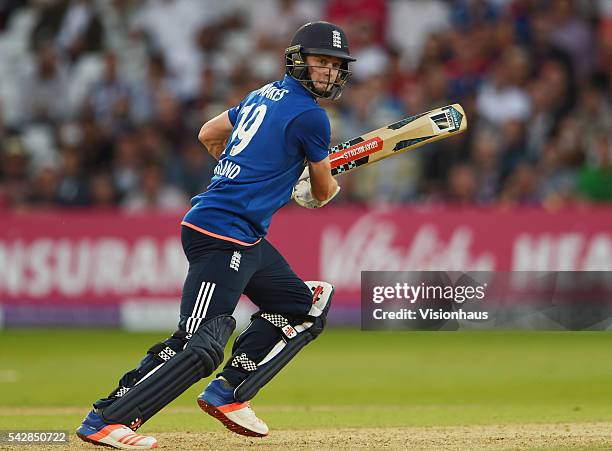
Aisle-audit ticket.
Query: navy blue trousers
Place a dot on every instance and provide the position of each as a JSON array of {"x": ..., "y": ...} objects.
[{"x": 219, "y": 273}]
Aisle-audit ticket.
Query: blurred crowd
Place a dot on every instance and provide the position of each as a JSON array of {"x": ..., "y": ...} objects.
[{"x": 101, "y": 100}]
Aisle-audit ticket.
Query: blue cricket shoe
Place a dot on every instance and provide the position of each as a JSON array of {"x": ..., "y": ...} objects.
[
  {"x": 218, "y": 401},
  {"x": 96, "y": 431}
]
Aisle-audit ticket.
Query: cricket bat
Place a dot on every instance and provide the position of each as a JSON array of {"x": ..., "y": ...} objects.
[{"x": 407, "y": 134}]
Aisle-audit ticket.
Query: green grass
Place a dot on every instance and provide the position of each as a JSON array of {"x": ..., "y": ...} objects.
[{"x": 345, "y": 378}]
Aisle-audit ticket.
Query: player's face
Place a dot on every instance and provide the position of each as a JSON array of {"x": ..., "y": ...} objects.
[{"x": 323, "y": 71}]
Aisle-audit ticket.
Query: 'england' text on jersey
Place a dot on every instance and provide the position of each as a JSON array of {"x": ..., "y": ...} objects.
[
  {"x": 272, "y": 93},
  {"x": 226, "y": 168}
]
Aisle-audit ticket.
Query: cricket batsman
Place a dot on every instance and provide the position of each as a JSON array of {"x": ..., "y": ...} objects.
[{"x": 263, "y": 145}]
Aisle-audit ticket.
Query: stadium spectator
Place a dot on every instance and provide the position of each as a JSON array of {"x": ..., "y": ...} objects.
[
  {"x": 595, "y": 178},
  {"x": 154, "y": 194},
  {"x": 80, "y": 30},
  {"x": 521, "y": 186},
  {"x": 43, "y": 192},
  {"x": 44, "y": 88},
  {"x": 571, "y": 32},
  {"x": 487, "y": 172},
  {"x": 191, "y": 169},
  {"x": 461, "y": 188},
  {"x": 72, "y": 187},
  {"x": 556, "y": 180},
  {"x": 103, "y": 194},
  {"x": 500, "y": 99},
  {"x": 14, "y": 182}
]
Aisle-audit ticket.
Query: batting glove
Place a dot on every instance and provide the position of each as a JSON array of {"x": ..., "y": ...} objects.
[{"x": 302, "y": 193}]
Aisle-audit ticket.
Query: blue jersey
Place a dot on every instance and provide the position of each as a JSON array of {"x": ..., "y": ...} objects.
[{"x": 276, "y": 128}]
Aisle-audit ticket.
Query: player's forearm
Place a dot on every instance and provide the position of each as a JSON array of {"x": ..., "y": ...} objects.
[
  {"x": 214, "y": 147},
  {"x": 324, "y": 186},
  {"x": 322, "y": 192},
  {"x": 215, "y": 133}
]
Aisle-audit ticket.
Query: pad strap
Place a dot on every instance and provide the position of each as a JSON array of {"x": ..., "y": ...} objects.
[
  {"x": 281, "y": 322},
  {"x": 157, "y": 354},
  {"x": 161, "y": 352},
  {"x": 242, "y": 361}
]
